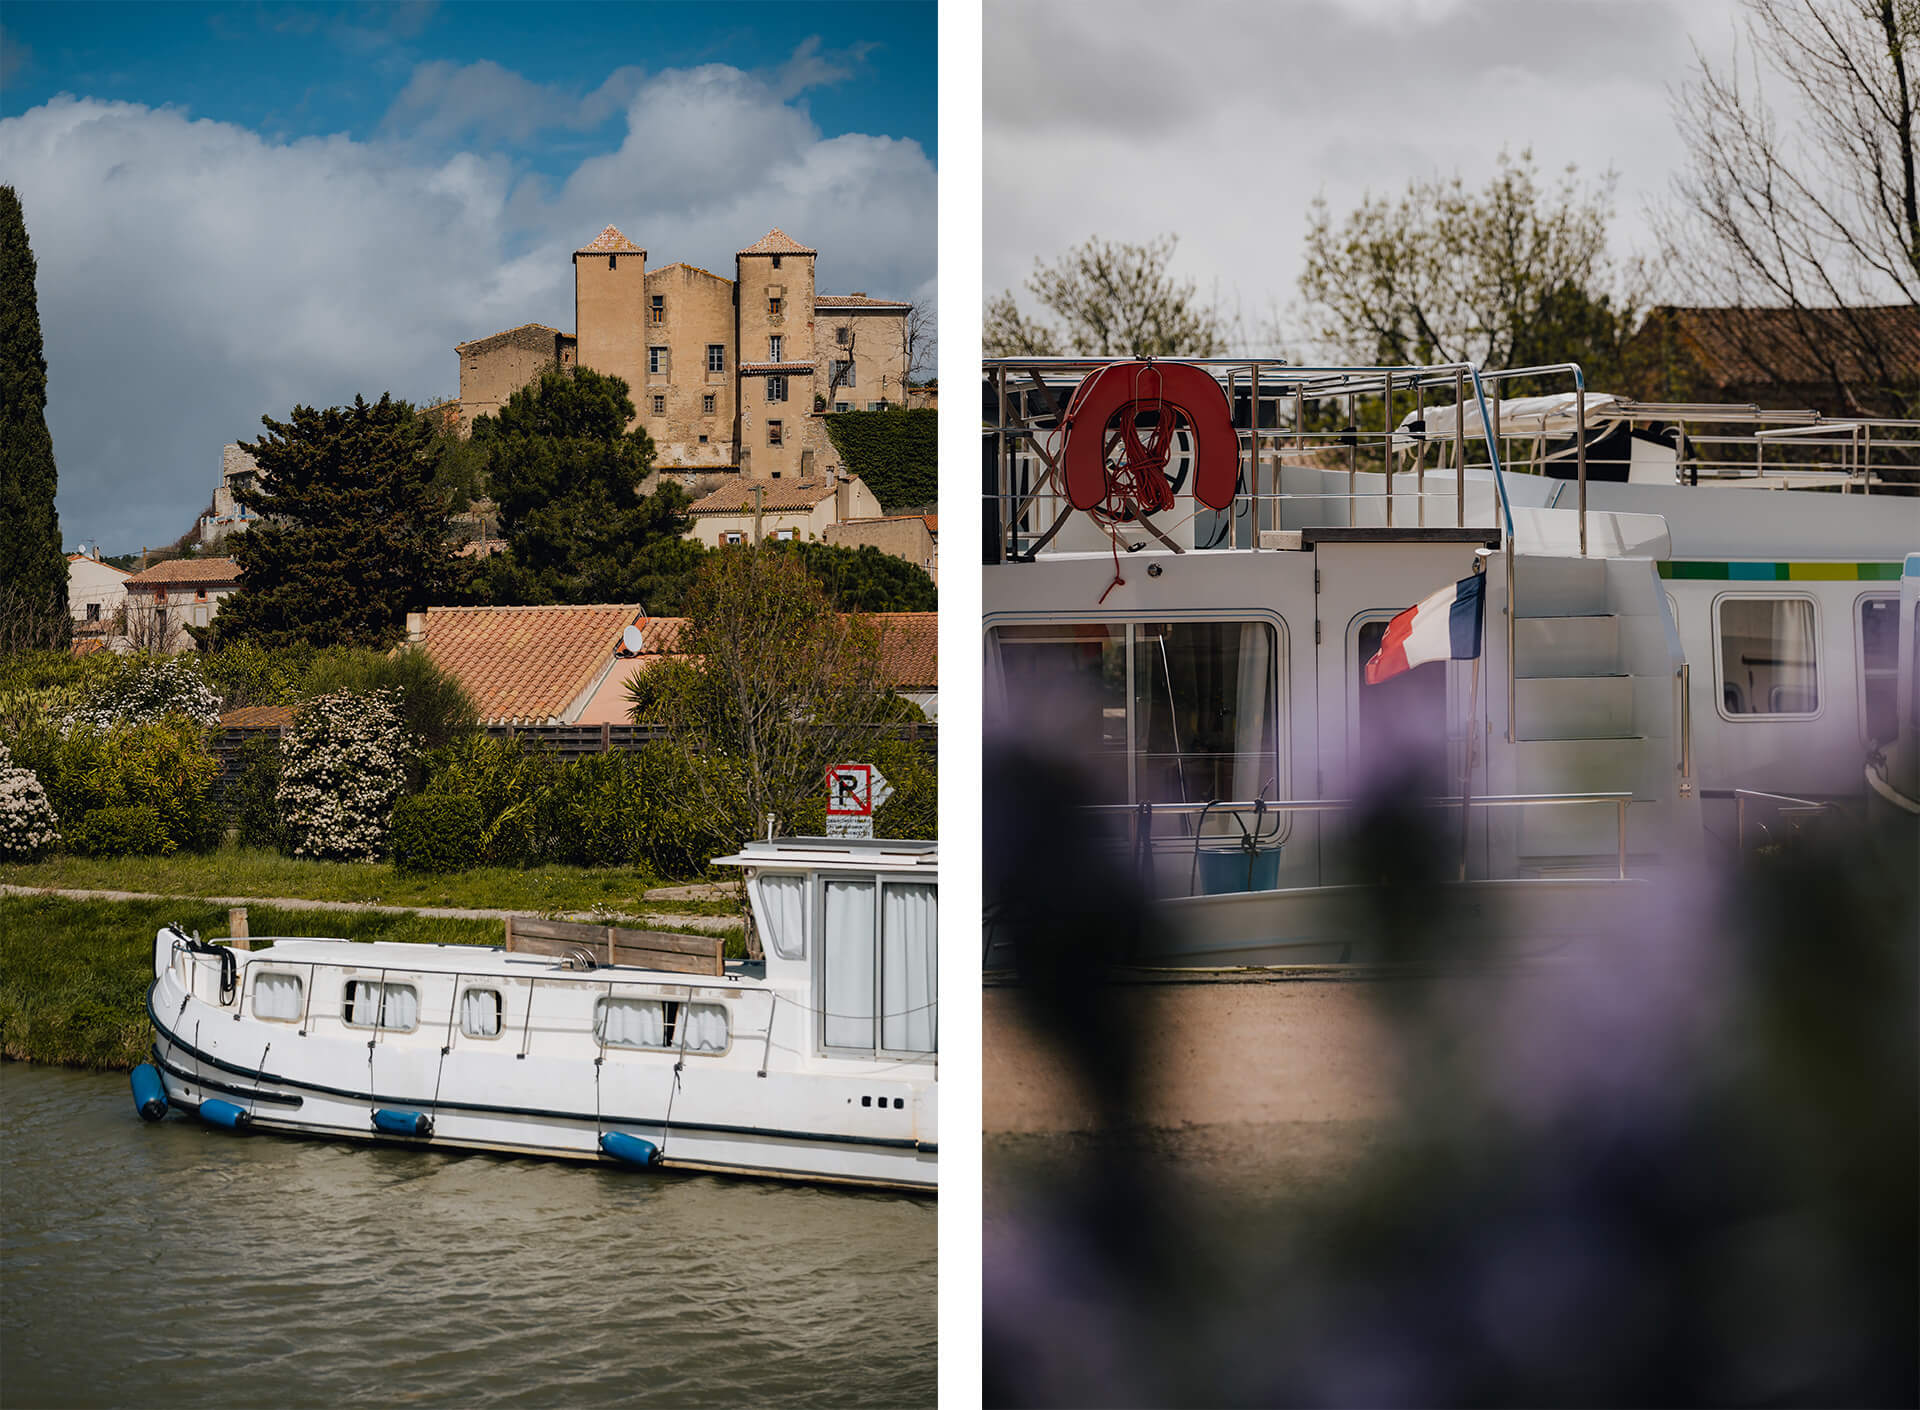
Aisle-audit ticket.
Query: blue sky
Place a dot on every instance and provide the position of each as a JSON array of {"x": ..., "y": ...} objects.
[{"x": 237, "y": 207}]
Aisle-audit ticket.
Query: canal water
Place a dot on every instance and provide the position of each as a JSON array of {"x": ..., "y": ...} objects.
[{"x": 174, "y": 1264}]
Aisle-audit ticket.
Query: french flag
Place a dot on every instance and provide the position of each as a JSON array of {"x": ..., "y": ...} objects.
[{"x": 1445, "y": 626}]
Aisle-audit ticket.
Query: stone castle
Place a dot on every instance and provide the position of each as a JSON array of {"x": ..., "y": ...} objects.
[{"x": 725, "y": 374}]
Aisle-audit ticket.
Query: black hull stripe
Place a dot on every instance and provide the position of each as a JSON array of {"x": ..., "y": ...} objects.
[
  {"x": 214, "y": 1085},
  {"x": 604, "y": 1118}
]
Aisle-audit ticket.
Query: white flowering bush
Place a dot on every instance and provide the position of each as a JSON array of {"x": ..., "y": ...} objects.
[
  {"x": 343, "y": 763},
  {"x": 148, "y": 689},
  {"x": 28, "y": 825}
]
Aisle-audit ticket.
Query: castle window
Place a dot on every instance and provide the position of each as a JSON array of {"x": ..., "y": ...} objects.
[
  {"x": 841, "y": 336},
  {"x": 656, "y": 359},
  {"x": 776, "y": 261},
  {"x": 841, "y": 373},
  {"x": 843, "y": 406},
  {"x": 706, "y": 404},
  {"x": 773, "y": 433},
  {"x": 611, "y": 261},
  {"x": 776, "y": 389},
  {"x": 716, "y": 358},
  {"x": 659, "y": 406},
  {"x": 773, "y": 348},
  {"x": 657, "y": 310},
  {"x": 703, "y": 440},
  {"x": 773, "y": 308}
]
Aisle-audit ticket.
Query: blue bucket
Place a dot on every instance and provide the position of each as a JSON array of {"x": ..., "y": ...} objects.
[{"x": 1224, "y": 869}]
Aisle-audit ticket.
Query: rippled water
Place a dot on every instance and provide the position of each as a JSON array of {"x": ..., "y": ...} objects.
[{"x": 180, "y": 1265}]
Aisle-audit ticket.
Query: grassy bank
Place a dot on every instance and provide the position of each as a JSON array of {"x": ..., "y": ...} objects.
[
  {"x": 74, "y": 974},
  {"x": 254, "y": 871}
]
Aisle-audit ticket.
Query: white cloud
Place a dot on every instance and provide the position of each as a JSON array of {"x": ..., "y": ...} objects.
[{"x": 194, "y": 275}]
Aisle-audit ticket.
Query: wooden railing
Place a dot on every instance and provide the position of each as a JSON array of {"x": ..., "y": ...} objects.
[{"x": 612, "y": 944}]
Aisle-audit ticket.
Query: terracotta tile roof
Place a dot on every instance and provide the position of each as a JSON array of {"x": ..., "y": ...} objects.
[
  {"x": 777, "y": 242},
  {"x": 89, "y": 558},
  {"x": 88, "y": 646},
  {"x": 259, "y": 717},
  {"x": 933, "y": 526},
  {"x": 909, "y": 648},
  {"x": 682, "y": 264},
  {"x": 526, "y": 664},
  {"x": 855, "y": 301},
  {"x": 660, "y": 636},
  {"x": 533, "y": 333},
  {"x": 610, "y": 242},
  {"x": 779, "y": 496},
  {"x": 777, "y": 366},
  {"x": 1749, "y": 346},
  {"x": 188, "y": 572}
]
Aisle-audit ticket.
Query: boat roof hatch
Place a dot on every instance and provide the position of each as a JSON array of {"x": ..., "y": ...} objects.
[{"x": 837, "y": 854}]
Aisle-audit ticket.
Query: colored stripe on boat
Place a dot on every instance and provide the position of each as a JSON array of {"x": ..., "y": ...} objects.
[{"x": 1700, "y": 570}]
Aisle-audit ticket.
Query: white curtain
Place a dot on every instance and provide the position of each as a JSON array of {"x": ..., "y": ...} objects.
[
  {"x": 403, "y": 1007},
  {"x": 631, "y": 1023},
  {"x": 849, "y": 956},
  {"x": 277, "y": 996},
  {"x": 1253, "y": 763},
  {"x": 1793, "y": 691},
  {"x": 480, "y": 1013},
  {"x": 703, "y": 1028},
  {"x": 783, "y": 901},
  {"x": 909, "y": 968}
]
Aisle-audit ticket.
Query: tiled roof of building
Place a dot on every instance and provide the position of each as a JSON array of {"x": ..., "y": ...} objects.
[
  {"x": 909, "y": 645},
  {"x": 1748, "y": 346},
  {"x": 933, "y": 523},
  {"x": 188, "y": 572},
  {"x": 89, "y": 558},
  {"x": 776, "y": 367},
  {"x": 259, "y": 717},
  {"x": 86, "y": 646},
  {"x": 610, "y": 242},
  {"x": 855, "y": 301},
  {"x": 682, "y": 264},
  {"x": 660, "y": 636},
  {"x": 777, "y": 496},
  {"x": 525, "y": 664},
  {"x": 525, "y": 333},
  {"x": 777, "y": 242}
]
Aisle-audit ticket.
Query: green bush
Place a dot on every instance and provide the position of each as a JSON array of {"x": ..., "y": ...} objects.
[
  {"x": 120, "y": 832},
  {"x": 247, "y": 674},
  {"x": 436, "y": 832},
  {"x": 896, "y": 452},
  {"x": 163, "y": 765},
  {"x": 435, "y": 708},
  {"x": 252, "y": 800},
  {"x": 511, "y": 784}
]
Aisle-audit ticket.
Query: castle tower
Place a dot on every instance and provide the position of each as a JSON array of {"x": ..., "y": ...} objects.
[
  {"x": 773, "y": 318},
  {"x": 610, "y": 312}
]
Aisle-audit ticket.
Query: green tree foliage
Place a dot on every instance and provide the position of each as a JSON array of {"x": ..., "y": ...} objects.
[
  {"x": 896, "y": 452},
  {"x": 1109, "y": 300},
  {"x": 162, "y": 765},
  {"x": 353, "y": 529},
  {"x": 33, "y": 565},
  {"x": 434, "y": 707},
  {"x": 864, "y": 579},
  {"x": 565, "y": 470},
  {"x": 1512, "y": 276},
  {"x": 775, "y": 682}
]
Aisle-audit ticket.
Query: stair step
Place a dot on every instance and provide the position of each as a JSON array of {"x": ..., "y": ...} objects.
[
  {"x": 1560, "y": 587},
  {"x": 1567, "y": 646},
  {"x": 1574, "y": 707},
  {"x": 1615, "y": 765}
]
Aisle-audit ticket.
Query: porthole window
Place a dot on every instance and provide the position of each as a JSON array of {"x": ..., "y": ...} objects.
[
  {"x": 1768, "y": 660},
  {"x": 480, "y": 1012},
  {"x": 279, "y": 997},
  {"x": 369, "y": 1003}
]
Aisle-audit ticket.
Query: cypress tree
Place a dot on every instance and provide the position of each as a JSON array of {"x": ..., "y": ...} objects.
[{"x": 33, "y": 564}]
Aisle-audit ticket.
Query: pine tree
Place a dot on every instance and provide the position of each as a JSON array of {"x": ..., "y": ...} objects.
[
  {"x": 33, "y": 566},
  {"x": 353, "y": 530}
]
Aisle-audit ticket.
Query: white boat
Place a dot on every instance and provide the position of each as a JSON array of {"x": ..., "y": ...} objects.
[
  {"x": 1198, "y": 644},
  {"x": 816, "y": 1061}
]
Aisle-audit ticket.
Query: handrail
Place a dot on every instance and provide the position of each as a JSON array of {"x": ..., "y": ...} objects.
[
  {"x": 1786, "y": 806},
  {"x": 1685, "y": 677}
]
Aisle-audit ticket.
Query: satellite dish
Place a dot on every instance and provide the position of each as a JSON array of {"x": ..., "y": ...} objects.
[{"x": 630, "y": 640}]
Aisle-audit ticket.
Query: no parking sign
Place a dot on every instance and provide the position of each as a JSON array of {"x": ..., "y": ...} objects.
[{"x": 854, "y": 794}]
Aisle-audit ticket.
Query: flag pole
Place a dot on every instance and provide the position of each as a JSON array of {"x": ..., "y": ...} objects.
[{"x": 1466, "y": 774}]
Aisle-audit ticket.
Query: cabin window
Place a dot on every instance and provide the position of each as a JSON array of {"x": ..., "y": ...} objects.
[
  {"x": 783, "y": 909},
  {"x": 1767, "y": 656},
  {"x": 278, "y": 996},
  {"x": 480, "y": 1011},
  {"x": 881, "y": 962},
  {"x": 372, "y": 1004},
  {"x": 1166, "y": 712},
  {"x": 661, "y": 1025},
  {"x": 1879, "y": 668},
  {"x": 1400, "y": 725}
]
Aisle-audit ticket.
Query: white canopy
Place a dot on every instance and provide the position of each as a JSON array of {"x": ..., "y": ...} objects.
[{"x": 1553, "y": 415}]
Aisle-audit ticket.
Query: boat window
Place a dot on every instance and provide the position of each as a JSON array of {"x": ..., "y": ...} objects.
[
  {"x": 1879, "y": 668},
  {"x": 480, "y": 1013},
  {"x": 662, "y": 1024},
  {"x": 1163, "y": 712},
  {"x": 278, "y": 996},
  {"x": 1767, "y": 661},
  {"x": 783, "y": 901},
  {"x": 849, "y": 961},
  {"x": 881, "y": 959},
  {"x": 1401, "y": 723},
  {"x": 372, "y": 1004}
]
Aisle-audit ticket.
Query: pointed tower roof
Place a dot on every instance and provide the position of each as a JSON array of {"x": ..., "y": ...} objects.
[
  {"x": 777, "y": 242},
  {"x": 610, "y": 242}
]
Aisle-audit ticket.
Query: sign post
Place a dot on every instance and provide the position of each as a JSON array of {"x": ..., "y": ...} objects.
[{"x": 854, "y": 794}]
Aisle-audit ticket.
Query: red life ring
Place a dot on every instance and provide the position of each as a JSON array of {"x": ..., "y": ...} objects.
[{"x": 1132, "y": 387}]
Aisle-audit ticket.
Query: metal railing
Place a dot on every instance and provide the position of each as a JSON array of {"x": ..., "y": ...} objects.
[
  {"x": 1136, "y": 812},
  {"x": 1789, "y": 810}
]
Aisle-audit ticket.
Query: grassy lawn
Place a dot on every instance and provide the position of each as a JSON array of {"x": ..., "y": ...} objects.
[
  {"x": 253, "y": 871},
  {"x": 74, "y": 974}
]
